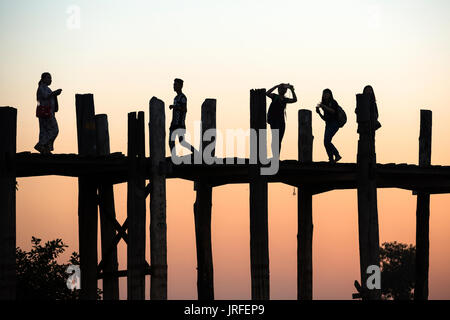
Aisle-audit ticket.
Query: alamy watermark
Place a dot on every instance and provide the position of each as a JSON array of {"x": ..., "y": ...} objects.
[
  {"x": 235, "y": 139},
  {"x": 74, "y": 280},
  {"x": 73, "y": 21},
  {"x": 374, "y": 280}
]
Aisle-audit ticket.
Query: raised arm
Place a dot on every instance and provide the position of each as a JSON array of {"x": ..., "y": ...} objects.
[
  {"x": 294, "y": 96},
  {"x": 269, "y": 93}
]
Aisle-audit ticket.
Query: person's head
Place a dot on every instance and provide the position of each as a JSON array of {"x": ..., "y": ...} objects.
[
  {"x": 368, "y": 90},
  {"x": 327, "y": 96},
  {"x": 177, "y": 85},
  {"x": 46, "y": 79},
  {"x": 282, "y": 89}
]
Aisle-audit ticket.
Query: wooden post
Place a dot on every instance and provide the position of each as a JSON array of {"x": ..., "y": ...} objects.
[
  {"x": 305, "y": 220},
  {"x": 107, "y": 217},
  {"x": 87, "y": 198},
  {"x": 136, "y": 207},
  {"x": 367, "y": 195},
  {"x": 423, "y": 211},
  {"x": 158, "y": 225},
  {"x": 8, "y": 129},
  {"x": 202, "y": 214},
  {"x": 259, "y": 238}
]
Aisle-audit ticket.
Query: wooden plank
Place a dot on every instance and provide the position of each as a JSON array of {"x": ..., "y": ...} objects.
[
  {"x": 259, "y": 238},
  {"x": 8, "y": 134},
  {"x": 87, "y": 198},
  {"x": 158, "y": 224},
  {"x": 305, "y": 219},
  {"x": 107, "y": 216},
  {"x": 136, "y": 208},
  {"x": 423, "y": 212},
  {"x": 202, "y": 213},
  {"x": 367, "y": 195}
]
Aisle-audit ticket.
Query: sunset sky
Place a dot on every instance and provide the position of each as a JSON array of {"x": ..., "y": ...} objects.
[{"x": 125, "y": 52}]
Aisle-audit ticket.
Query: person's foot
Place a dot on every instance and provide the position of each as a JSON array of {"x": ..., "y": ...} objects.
[
  {"x": 338, "y": 157},
  {"x": 331, "y": 160},
  {"x": 46, "y": 150},
  {"x": 39, "y": 148}
]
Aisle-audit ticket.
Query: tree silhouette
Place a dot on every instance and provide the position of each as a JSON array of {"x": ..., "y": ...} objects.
[
  {"x": 39, "y": 276},
  {"x": 397, "y": 271}
]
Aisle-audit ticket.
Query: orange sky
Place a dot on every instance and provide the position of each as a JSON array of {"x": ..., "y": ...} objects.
[{"x": 125, "y": 54}]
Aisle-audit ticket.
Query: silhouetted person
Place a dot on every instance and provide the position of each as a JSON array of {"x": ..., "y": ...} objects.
[
  {"x": 276, "y": 113},
  {"x": 48, "y": 126},
  {"x": 179, "y": 110},
  {"x": 330, "y": 111},
  {"x": 368, "y": 91}
]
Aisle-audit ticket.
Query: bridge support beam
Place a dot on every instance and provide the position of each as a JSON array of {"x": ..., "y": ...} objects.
[
  {"x": 158, "y": 224},
  {"x": 202, "y": 210},
  {"x": 136, "y": 263},
  {"x": 87, "y": 198},
  {"x": 423, "y": 212},
  {"x": 8, "y": 130},
  {"x": 304, "y": 207},
  {"x": 367, "y": 194},
  {"x": 259, "y": 233},
  {"x": 107, "y": 217}
]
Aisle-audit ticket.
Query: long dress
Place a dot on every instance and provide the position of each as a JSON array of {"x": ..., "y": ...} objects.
[{"x": 48, "y": 128}]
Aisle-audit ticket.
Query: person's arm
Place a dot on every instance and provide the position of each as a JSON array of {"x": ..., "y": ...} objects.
[
  {"x": 56, "y": 92},
  {"x": 294, "y": 96},
  {"x": 269, "y": 93},
  {"x": 329, "y": 109},
  {"x": 318, "y": 112}
]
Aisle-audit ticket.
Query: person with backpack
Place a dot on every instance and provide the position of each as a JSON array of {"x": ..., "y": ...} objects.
[
  {"x": 370, "y": 94},
  {"x": 45, "y": 111},
  {"x": 334, "y": 117},
  {"x": 276, "y": 113}
]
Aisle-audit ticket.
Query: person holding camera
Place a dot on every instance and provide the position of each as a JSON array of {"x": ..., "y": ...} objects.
[
  {"x": 330, "y": 110},
  {"x": 276, "y": 113}
]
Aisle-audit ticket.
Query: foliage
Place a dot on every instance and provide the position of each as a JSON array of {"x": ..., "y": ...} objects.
[
  {"x": 39, "y": 276},
  {"x": 397, "y": 271}
]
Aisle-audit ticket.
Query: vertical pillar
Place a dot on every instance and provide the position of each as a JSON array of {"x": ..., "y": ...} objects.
[
  {"x": 305, "y": 220},
  {"x": 259, "y": 238},
  {"x": 87, "y": 198},
  {"x": 423, "y": 212},
  {"x": 136, "y": 207},
  {"x": 107, "y": 217},
  {"x": 158, "y": 224},
  {"x": 367, "y": 194},
  {"x": 8, "y": 129},
  {"x": 202, "y": 213}
]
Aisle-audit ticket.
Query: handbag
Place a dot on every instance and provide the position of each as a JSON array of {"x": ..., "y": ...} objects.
[{"x": 44, "y": 112}]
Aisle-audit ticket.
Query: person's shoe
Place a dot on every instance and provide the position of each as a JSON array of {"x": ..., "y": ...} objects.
[
  {"x": 338, "y": 157},
  {"x": 331, "y": 160},
  {"x": 46, "y": 150},
  {"x": 39, "y": 148}
]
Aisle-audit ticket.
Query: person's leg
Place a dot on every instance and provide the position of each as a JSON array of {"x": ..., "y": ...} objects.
[
  {"x": 281, "y": 134},
  {"x": 53, "y": 132},
  {"x": 44, "y": 135},
  {"x": 330, "y": 131},
  {"x": 275, "y": 130},
  {"x": 172, "y": 142},
  {"x": 327, "y": 141},
  {"x": 183, "y": 141}
]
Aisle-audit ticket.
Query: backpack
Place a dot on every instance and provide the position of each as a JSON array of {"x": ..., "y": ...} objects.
[{"x": 341, "y": 116}]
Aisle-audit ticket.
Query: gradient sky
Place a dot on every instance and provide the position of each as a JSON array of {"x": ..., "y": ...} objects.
[{"x": 126, "y": 52}]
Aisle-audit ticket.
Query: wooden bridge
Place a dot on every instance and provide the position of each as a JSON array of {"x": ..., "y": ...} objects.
[{"x": 98, "y": 170}]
